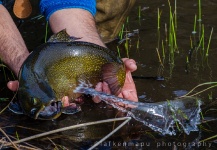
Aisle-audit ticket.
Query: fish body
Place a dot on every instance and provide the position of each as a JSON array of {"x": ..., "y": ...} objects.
[{"x": 54, "y": 70}]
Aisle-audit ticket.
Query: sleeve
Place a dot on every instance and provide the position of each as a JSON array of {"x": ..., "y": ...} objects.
[{"x": 47, "y": 7}]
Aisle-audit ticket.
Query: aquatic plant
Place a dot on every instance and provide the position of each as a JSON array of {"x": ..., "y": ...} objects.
[
  {"x": 195, "y": 24},
  {"x": 4, "y": 99},
  {"x": 208, "y": 46},
  {"x": 139, "y": 15},
  {"x": 46, "y": 32},
  {"x": 172, "y": 42},
  {"x": 3, "y": 68},
  {"x": 121, "y": 32},
  {"x": 118, "y": 51},
  {"x": 199, "y": 17}
]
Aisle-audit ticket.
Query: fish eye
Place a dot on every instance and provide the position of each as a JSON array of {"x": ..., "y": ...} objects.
[{"x": 34, "y": 100}]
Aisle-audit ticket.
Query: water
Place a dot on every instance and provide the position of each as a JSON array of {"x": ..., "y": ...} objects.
[
  {"x": 160, "y": 117},
  {"x": 176, "y": 83}
]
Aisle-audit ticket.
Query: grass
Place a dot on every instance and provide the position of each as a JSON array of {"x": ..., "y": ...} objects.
[
  {"x": 13, "y": 143},
  {"x": 46, "y": 32},
  {"x": 171, "y": 42},
  {"x": 139, "y": 15},
  {"x": 210, "y": 84},
  {"x": 3, "y": 68},
  {"x": 199, "y": 17},
  {"x": 208, "y": 46}
]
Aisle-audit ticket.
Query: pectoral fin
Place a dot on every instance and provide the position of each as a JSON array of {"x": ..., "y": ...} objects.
[
  {"x": 15, "y": 108},
  {"x": 71, "y": 109},
  {"x": 114, "y": 75}
]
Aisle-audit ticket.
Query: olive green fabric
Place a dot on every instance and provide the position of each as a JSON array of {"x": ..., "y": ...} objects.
[{"x": 110, "y": 17}]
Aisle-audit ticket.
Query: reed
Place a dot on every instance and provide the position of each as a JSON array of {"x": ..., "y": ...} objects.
[
  {"x": 187, "y": 65},
  {"x": 119, "y": 54},
  {"x": 127, "y": 20},
  {"x": 17, "y": 136},
  {"x": 166, "y": 36},
  {"x": 3, "y": 68},
  {"x": 172, "y": 39},
  {"x": 171, "y": 48},
  {"x": 161, "y": 66},
  {"x": 158, "y": 19},
  {"x": 125, "y": 119},
  {"x": 174, "y": 116},
  {"x": 3, "y": 99},
  {"x": 139, "y": 15},
  {"x": 175, "y": 14},
  {"x": 207, "y": 49},
  {"x": 137, "y": 44},
  {"x": 203, "y": 43},
  {"x": 126, "y": 45},
  {"x": 194, "y": 32},
  {"x": 209, "y": 138},
  {"x": 191, "y": 42},
  {"x": 199, "y": 18},
  {"x": 159, "y": 58},
  {"x": 163, "y": 50},
  {"x": 158, "y": 26},
  {"x": 46, "y": 32},
  {"x": 195, "y": 24},
  {"x": 121, "y": 32},
  {"x": 199, "y": 11}
]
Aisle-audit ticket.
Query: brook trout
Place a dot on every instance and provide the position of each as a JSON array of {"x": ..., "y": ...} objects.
[{"x": 54, "y": 70}]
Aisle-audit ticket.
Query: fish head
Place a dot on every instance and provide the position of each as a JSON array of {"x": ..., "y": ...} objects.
[{"x": 39, "y": 101}]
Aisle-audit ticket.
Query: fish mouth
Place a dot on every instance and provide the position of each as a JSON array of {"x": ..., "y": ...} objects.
[{"x": 51, "y": 111}]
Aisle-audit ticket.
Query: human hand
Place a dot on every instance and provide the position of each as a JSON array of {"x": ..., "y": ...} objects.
[{"x": 129, "y": 89}]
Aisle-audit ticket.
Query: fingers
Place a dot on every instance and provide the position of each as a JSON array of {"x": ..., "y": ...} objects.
[
  {"x": 129, "y": 95},
  {"x": 130, "y": 64},
  {"x": 98, "y": 88},
  {"x": 65, "y": 101},
  {"x": 101, "y": 87},
  {"x": 13, "y": 85}
]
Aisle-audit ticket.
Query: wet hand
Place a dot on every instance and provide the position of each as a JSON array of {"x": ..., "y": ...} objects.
[{"x": 129, "y": 89}]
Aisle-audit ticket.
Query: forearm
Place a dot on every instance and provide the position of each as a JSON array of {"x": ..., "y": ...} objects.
[
  {"x": 12, "y": 47},
  {"x": 78, "y": 23},
  {"x": 76, "y": 16}
]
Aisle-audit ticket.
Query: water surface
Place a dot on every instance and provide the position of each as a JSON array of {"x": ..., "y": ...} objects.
[{"x": 177, "y": 82}]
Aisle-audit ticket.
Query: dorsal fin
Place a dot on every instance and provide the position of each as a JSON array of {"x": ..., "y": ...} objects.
[{"x": 62, "y": 36}]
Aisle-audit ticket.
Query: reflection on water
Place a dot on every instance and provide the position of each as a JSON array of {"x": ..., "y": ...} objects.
[{"x": 142, "y": 48}]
